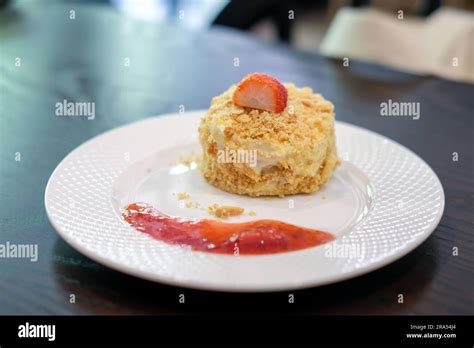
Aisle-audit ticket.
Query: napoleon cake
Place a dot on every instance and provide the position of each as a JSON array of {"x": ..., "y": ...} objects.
[{"x": 264, "y": 138}]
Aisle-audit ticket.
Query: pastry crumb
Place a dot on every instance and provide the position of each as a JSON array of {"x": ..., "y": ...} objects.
[
  {"x": 252, "y": 213},
  {"x": 295, "y": 150},
  {"x": 183, "y": 196},
  {"x": 189, "y": 204},
  {"x": 223, "y": 211},
  {"x": 189, "y": 159}
]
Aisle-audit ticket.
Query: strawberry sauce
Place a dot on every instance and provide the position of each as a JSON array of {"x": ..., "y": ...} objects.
[{"x": 246, "y": 238}]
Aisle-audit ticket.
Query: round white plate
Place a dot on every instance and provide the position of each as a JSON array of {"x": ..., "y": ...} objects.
[{"x": 382, "y": 202}]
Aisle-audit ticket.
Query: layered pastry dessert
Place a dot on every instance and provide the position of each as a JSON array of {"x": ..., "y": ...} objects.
[{"x": 264, "y": 138}]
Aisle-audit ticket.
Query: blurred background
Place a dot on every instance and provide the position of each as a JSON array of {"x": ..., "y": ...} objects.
[
  {"x": 421, "y": 36},
  {"x": 267, "y": 19}
]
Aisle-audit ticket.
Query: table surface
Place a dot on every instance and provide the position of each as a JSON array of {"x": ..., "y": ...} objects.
[{"x": 83, "y": 60}]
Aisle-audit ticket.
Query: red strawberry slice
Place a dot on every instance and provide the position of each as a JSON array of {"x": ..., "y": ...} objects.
[{"x": 260, "y": 91}]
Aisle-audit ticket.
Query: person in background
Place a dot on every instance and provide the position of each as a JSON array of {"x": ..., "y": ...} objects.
[{"x": 246, "y": 13}]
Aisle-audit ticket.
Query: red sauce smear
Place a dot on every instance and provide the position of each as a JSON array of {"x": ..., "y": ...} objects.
[{"x": 247, "y": 238}]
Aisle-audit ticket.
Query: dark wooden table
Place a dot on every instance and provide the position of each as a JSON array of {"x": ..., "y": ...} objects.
[{"x": 83, "y": 60}]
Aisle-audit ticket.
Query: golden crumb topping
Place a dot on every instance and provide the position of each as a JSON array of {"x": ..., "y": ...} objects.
[
  {"x": 305, "y": 112},
  {"x": 259, "y": 153}
]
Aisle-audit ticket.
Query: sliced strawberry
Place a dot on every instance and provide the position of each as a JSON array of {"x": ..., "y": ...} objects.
[{"x": 260, "y": 91}]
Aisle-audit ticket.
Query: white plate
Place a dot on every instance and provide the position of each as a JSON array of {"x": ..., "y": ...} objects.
[{"x": 382, "y": 202}]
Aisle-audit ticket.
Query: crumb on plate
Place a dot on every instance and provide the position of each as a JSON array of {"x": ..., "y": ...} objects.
[
  {"x": 183, "y": 196},
  {"x": 223, "y": 211},
  {"x": 187, "y": 160}
]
